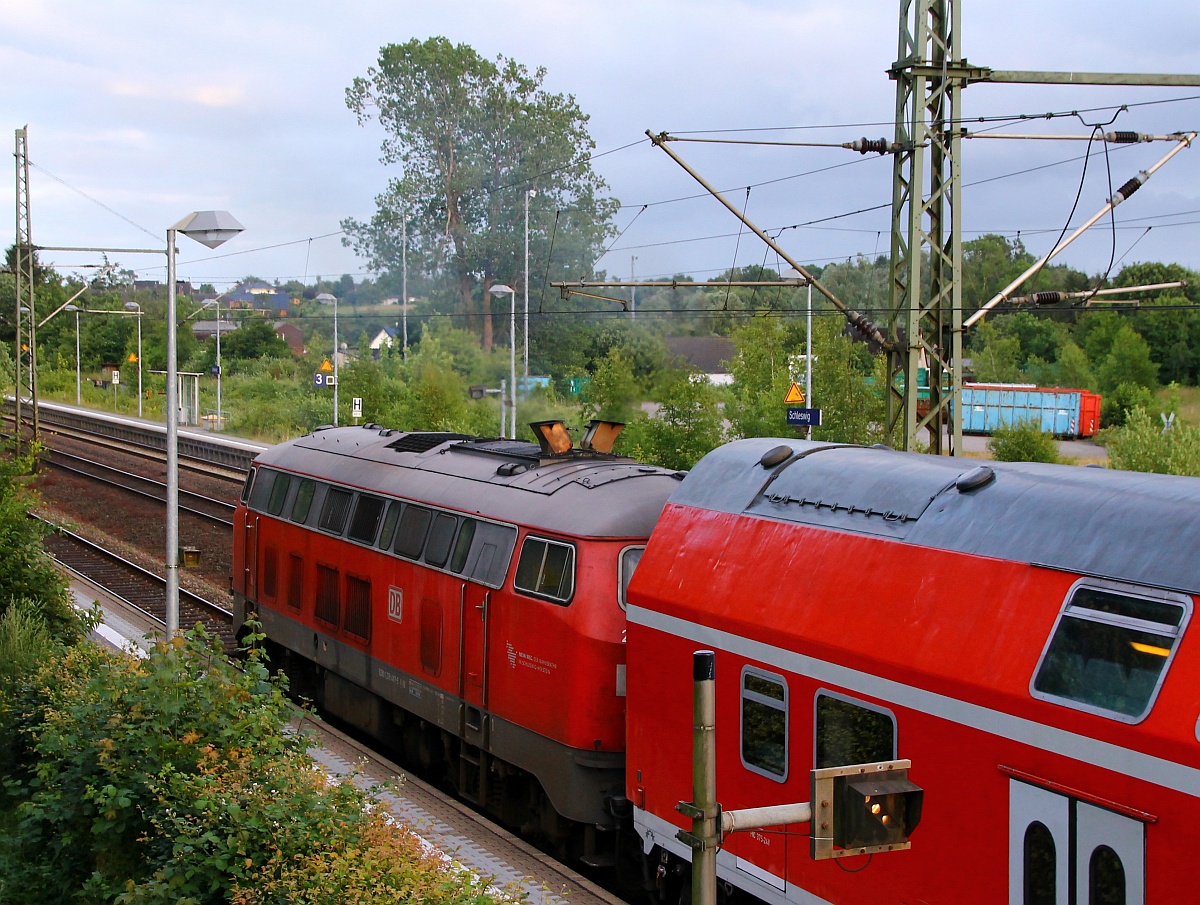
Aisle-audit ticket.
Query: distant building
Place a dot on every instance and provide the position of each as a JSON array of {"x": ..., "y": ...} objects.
[
  {"x": 326, "y": 299},
  {"x": 384, "y": 337},
  {"x": 208, "y": 329},
  {"x": 710, "y": 355},
  {"x": 182, "y": 287},
  {"x": 292, "y": 335},
  {"x": 259, "y": 296}
]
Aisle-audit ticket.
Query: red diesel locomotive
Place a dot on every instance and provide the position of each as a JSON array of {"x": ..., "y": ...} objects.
[
  {"x": 1018, "y": 631},
  {"x": 461, "y": 598}
]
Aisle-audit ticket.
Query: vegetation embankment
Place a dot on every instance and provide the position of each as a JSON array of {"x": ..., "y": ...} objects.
[{"x": 173, "y": 778}]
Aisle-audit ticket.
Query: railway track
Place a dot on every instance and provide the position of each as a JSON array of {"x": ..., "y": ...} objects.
[
  {"x": 217, "y": 511},
  {"x": 135, "y": 586}
]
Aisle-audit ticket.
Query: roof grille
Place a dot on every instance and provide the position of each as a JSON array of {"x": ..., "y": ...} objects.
[{"x": 419, "y": 442}]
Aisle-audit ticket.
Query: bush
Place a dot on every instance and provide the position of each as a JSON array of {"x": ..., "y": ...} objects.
[
  {"x": 1023, "y": 442},
  {"x": 174, "y": 780},
  {"x": 1142, "y": 445}
]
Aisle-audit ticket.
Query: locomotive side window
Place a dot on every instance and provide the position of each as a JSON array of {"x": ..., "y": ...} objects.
[
  {"x": 441, "y": 535},
  {"x": 335, "y": 510},
  {"x": 414, "y": 525},
  {"x": 358, "y": 607},
  {"x": 389, "y": 525},
  {"x": 546, "y": 569},
  {"x": 764, "y": 723},
  {"x": 278, "y": 493},
  {"x": 630, "y": 557},
  {"x": 1109, "y": 651},
  {"x": 365, "y": 522},
  {"x": 303, "y": 500},
  {"x": 852, "y": 732},
  {"x": 329, "y": 606},
  {"x": 462, "y": 545}
]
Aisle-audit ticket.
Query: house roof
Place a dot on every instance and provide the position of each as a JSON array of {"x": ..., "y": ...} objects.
[{"x": 708, "y": 354}]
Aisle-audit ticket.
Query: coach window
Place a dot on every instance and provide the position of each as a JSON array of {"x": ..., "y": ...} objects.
[
  {"x": 367, "y": 512},
  {"x": 764, "y": 723},
  {"x": 278, "y": 493},
  {"x": 303, "y": 501},
  {"x": 1110, "y": 650},
  {"x": 335, "y": 510},
  {"x": 630, "y": 557},
  {"x": 441, "y": 536},
  {"x": 414, "y": 525},
  {"x": 388, "y": 531},
  {"x": 546, "y": 569},
  {"x": 851, "y": 732}
]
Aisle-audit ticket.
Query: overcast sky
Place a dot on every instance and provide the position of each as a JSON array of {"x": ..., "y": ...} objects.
[{"x": 140, "y": 111}]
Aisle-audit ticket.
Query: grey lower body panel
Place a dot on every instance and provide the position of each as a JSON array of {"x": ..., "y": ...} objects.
[{"x": 580, "y": 783}]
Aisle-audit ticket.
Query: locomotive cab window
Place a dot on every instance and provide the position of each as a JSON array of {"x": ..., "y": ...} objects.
[
  {"x": 546, "y": 569},
  {"x": 247, "y": 484},
  {"x": 851, "y": 732},
  {"x": 260, "y": 492},
  {"x": 630, "y": 557},
  {"x": 764, "y": 723},
  {"x": 1110, "y": 650}
]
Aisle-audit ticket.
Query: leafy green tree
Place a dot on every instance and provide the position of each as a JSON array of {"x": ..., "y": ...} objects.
[
  {"x": 1128, "y": 361},
  {"x": 995, "y": 357},
  {"x": 687, "y": 425},
  {"x": 762, "y": 372},
  {"x": 255, "y": 337},
  {"x": 848, "y": 387},
  {"x": 612, "y": 393},
  {"x": 472, "y": 135},
  {"x": 27, "y": 572}
]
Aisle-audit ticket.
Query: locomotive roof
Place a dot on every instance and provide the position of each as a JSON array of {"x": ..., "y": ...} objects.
[
  {"x": 1116, "y": 524},
  {"x": 579, "y": 492}
]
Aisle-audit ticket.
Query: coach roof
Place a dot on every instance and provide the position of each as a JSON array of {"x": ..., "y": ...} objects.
[{"x": 1132, "y": 526}]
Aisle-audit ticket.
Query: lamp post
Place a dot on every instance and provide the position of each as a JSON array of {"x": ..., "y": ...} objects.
[
  {"x": 209, "y": 228},
  {"x": 500, "y": 289},
  {"x": 404, "y": 287},
  {"x": 335, "y": 363},
  {"x": 529, "y": 193},
  {"x": 78, "y": 394},
  {"x": 134, "y": 306}
]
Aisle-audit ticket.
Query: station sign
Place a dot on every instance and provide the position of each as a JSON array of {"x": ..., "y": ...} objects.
[
  {"x": 801, "y": 417},
  {"x": 324, "y": 380}
]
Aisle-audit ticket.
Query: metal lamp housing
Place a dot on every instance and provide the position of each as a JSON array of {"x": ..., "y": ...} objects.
[
  {"x": 209, "y": 228},
  {"x": 875, "y": 810}
]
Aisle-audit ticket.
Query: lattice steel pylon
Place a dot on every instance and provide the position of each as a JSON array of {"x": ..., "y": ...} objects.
[
  {"x": 925, "y": 321},
  {"x": 25, "y": 314}
]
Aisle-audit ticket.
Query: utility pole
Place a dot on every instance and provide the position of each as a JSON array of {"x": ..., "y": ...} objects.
[
  {"x": 25, "y": 313},
  {"x": 930, "y": 73}
]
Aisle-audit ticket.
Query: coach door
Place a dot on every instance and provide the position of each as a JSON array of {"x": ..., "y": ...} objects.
[{"x": 1063, "y": 851}]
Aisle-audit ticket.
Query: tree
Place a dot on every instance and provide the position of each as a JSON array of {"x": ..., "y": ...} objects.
[
  {"x": 471, "y": 136},
  {"x": 255, "y": 337},
  {"x": 685, "y": 428},
  {"x": 762, "y": 372}
]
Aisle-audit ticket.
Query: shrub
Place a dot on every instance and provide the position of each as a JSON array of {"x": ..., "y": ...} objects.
[
  {"x": 1023, "y": 442},
  {"x": 1143, "y": 445}
]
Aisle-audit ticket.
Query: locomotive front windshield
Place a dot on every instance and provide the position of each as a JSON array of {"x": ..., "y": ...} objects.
[{"x": 1109, "y": 652}]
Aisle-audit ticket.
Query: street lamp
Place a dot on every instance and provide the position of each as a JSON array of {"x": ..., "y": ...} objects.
[
  {"x": 335, "y": 363},
  {"x": 134, "y": 306},
  {"x": 78, "y": 395},
  {"x": 529, "y": 193},
  {"x": 210, "y": 229},
  {"x": 500, "y": 289}
]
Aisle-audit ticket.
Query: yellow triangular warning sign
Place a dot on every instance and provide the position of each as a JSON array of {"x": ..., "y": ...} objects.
[
  {"x": 326, "y": 367},
  {"x": 795, "y": 396}
]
